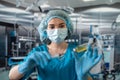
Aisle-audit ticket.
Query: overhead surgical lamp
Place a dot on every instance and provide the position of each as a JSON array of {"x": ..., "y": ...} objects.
[
  {"x": 32, "y": 5},
  {"x": 29, "y": 7},
  {"x": 19, "y": 2}
]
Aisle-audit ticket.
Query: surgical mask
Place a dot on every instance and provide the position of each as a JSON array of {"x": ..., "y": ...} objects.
[{"x": 57, "y": 35}]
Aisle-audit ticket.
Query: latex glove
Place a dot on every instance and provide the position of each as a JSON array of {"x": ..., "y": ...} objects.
[
  {"x": 35, "y": 58},
  {"x": 86, "y": 62}
]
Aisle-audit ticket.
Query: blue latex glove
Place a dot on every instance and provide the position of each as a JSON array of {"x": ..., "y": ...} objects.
[
  {"x": 35, "y": 58},
  {"x": 86, "y": 62}
]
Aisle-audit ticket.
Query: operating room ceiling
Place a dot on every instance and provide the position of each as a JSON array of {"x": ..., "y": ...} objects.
[
  {"x": 55, "y": 3},
  {"x": 29, "y": 12}
]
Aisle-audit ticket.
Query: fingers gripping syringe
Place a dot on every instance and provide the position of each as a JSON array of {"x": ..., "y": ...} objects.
[{"x": 94, "y": 40}]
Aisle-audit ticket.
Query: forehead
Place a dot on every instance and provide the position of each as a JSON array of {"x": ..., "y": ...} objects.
[{"x": 56, "y": 21}]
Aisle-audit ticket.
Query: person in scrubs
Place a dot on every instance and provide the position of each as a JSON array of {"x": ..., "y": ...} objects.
[{"x": 55, "y": 58}]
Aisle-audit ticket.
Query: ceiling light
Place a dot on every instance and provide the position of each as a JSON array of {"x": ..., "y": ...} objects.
[
  {"x": 74, "y": 15},
  {"x": 88, "y": 0},
  {"x": 45, "y": 5},
  {"x": 118, "y": 19},
  {"x": 14, "y": 10},
  {"x": 103, "y": 9}
]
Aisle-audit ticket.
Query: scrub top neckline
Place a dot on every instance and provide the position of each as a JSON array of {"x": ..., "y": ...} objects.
[{"x": 57, "y": 57}]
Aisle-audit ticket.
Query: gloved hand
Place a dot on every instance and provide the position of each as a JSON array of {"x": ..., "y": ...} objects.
[
  {"x": 35, "y": 58},
  {"x": 86, "y": 62}
]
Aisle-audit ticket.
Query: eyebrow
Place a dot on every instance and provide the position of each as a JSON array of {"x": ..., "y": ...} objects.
[{"x": 59, "y": 24}]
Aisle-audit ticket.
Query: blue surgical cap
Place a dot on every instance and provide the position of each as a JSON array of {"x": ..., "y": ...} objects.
[{"x": 54, "y": 14}]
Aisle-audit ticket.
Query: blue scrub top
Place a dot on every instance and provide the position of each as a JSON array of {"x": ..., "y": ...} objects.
[{"x": 58, "y": 68}]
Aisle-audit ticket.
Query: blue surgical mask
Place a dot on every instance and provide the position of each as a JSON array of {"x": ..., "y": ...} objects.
[{"x": 57, "y": 35}]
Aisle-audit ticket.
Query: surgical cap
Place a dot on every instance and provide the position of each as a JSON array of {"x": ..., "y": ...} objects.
[{"x": 54, "y": 14}]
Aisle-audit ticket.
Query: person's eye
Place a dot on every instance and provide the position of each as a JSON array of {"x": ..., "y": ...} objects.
[
  {"x": 62, "y": 26},
  {"x": 51, "y": 26}
]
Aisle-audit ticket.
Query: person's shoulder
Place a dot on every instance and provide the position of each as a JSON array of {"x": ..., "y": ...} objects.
[{"x": 39, "y": 48}]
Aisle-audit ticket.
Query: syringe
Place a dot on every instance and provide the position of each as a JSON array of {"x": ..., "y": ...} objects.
[{"x": 94, "y": 41}]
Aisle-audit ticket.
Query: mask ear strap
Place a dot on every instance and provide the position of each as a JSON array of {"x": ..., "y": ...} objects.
[
  {"x": 68, "y": 36},
  {"x": 47, "y": 41}
]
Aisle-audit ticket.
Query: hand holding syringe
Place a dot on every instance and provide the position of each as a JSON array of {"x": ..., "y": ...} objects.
[
  {"x": 87, "y": 55},
  {"x": 95, "y": 40}
]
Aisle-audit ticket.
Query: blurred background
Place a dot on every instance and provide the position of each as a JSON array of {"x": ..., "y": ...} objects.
[{"x": 19, "y": 20}]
